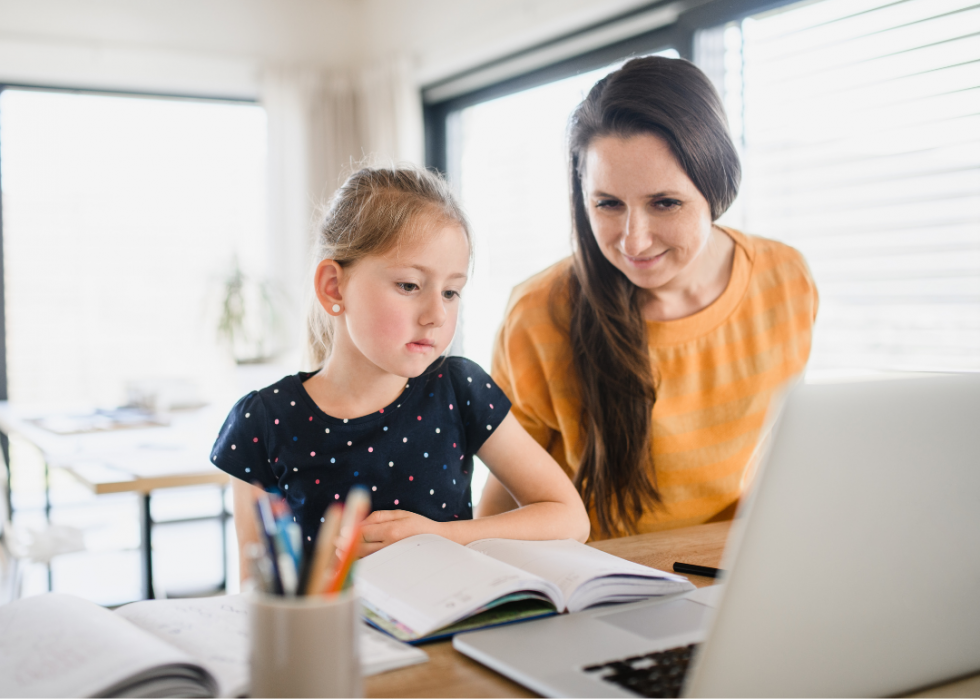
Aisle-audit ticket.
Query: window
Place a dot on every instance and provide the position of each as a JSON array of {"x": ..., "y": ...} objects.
[
  {"x": 859, "y": 129},
  {"x": 509, "y": 163},
  {"x": 509, "y": 166},
  {"x": 122, "y": 217},
  {"x": 860, "y": 126}
]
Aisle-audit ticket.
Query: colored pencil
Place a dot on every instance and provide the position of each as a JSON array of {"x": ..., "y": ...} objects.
[
  {"x": 355, "y": 510},
  {"x": 325, "y": 554}
]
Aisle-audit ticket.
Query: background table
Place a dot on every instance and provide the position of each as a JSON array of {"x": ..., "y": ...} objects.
[
  {"x": 132, "y": 459},
  {"x": 451, "y": 674}
]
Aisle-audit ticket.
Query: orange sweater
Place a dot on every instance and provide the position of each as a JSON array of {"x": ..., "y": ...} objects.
[{"x": 716, "y": 370}]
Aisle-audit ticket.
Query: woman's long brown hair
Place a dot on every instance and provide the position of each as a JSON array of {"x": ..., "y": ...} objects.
[{"x": 673, "y": 100}]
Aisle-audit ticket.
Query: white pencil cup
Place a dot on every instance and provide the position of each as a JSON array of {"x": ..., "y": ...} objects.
[{"x": 305, "y": 646}]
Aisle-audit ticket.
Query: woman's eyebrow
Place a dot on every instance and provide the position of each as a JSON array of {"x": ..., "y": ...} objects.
[{"x": 655, "y": 195}]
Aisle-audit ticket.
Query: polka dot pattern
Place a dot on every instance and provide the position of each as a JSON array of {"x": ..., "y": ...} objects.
[{"x": 416, "y": 454}]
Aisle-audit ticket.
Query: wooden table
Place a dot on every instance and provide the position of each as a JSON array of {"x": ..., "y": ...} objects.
[
  {"x": 132, "y": 460},
  {"x": 451, "y": 674}
]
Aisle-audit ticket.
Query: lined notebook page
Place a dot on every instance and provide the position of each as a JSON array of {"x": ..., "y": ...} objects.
[
  {"x": 427, "y": 582},
  {"x": 59, "y": 645}
]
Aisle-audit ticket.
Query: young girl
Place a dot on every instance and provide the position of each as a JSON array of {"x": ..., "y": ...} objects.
[{"x": 387, "y": 410}]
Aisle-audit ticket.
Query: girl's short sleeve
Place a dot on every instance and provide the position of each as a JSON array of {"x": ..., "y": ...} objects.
[
  {"x": 242, "y": 448},
  {"x": 483, "y": 406}
]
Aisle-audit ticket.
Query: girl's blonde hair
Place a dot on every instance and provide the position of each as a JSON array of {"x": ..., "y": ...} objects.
[{"x": 372, "y": 212}]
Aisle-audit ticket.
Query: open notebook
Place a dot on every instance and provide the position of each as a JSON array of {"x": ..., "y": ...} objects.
[
  {"x": 58, "y": 645},
  {"x": 426, "y": 587}
]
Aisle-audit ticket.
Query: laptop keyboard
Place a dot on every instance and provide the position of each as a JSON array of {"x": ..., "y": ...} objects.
[{"x": 659, "y": 674}]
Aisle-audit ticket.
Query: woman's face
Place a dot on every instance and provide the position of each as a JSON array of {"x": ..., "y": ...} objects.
[{"x": 648, "y": 218}]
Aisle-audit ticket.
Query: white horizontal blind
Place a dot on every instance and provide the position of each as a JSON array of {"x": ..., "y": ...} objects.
[{"x": 862, "y": 149}]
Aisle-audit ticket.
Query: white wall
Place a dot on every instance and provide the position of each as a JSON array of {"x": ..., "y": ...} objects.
[
  {"x": 218, "y": 47},
  {"x": 445, "y": 37},
  {"x": 210, "y": 47}
]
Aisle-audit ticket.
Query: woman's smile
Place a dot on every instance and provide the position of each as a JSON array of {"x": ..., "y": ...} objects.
[{"x": 645, "y": 261}]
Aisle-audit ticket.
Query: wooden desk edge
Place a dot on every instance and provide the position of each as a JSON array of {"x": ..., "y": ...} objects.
[
  {"x": 451, "y": 674},
  {"x": 147, "y": 485}
]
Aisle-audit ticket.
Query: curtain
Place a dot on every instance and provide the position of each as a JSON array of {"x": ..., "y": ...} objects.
[{"x": 322, "y": 125}]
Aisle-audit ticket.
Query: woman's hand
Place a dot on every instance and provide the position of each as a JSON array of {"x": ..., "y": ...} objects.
[{"x": 384, "y": 527}]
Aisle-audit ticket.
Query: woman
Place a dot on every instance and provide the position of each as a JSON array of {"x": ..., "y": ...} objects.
[{"x": 646, "y": 363}]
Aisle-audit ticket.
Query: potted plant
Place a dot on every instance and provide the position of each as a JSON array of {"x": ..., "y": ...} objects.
[{"x": 249, "y": 322}]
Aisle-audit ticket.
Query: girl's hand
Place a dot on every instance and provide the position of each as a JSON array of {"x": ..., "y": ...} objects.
[{"x": 384, "y": 527}]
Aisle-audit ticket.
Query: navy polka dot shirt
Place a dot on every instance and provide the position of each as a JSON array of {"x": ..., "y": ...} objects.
[{"x": 415, "y": 454}]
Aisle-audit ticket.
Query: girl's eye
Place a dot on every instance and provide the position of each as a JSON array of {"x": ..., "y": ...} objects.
[
  {"x": 450, "y": 294},
  {"x": 407, "y": 286}
]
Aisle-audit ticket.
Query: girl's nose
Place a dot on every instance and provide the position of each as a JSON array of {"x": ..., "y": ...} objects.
[{"x": 434, "y": 311}]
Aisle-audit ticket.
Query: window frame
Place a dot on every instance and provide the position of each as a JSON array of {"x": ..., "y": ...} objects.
[
  {"x": 4, "y": 387},
  {"x": 80, "y": 91},
  {"x": 679, "y": 35}
]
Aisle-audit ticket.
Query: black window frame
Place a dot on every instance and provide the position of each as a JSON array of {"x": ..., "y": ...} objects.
[{"x": 679, "y": 36}]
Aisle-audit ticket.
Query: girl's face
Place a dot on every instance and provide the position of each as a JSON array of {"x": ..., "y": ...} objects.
[
  {"x": 648, "y": 218},
  {"x": 400, "y": 308}
]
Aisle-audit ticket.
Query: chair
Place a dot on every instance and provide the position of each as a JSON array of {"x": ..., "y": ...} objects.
[{"x": 19, "y": 545}]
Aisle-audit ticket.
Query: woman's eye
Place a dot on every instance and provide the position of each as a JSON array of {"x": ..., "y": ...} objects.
[
  {"x": 606, "y": 203},
  {"x": 407, "y": 286},
  {"x": 667, "y": 203}
]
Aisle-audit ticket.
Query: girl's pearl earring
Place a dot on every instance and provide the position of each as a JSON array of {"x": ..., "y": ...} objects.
[{"x": 336, "y": 308}]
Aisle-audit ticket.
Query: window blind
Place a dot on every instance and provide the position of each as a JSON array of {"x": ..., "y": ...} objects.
[{"x": 860, "y": 122}]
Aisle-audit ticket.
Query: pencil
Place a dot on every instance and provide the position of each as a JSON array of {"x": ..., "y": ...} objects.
[
  {"x": 355, "y": 510},
  {"x": 324, "y": 555}
]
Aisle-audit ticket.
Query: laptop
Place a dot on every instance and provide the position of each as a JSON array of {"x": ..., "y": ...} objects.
[{"x": 854, "y": 567}]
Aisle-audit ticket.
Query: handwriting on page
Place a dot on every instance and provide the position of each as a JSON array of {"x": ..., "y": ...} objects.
[
  {"x": 214, "y": 630},
  {"x": 58, "y": 645}
]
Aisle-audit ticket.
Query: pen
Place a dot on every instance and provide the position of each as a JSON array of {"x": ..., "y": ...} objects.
[
  {"x": 289, "y": 534},
  {"x": 692, "y": 569},
  {"x": 267, "y": 525},
  {"x": 280, "y": 547}
]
